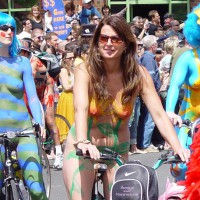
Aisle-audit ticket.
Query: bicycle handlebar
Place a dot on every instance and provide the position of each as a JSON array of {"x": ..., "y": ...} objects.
[
  {"x": 192, "y": 126},
  {"x": 23, "y": 133},
  {"x": 111, "y": 155},
  {"x": 13, "y": 134},
  {"x": 167, "y": 158}
]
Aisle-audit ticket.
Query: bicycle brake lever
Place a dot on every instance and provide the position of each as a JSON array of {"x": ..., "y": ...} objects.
[
  {"x": 109, "y": 150},
  {"x": 173, "y": 159}
]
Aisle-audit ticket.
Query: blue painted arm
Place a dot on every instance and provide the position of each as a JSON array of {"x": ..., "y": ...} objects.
[{"x": 32, "y": 97}]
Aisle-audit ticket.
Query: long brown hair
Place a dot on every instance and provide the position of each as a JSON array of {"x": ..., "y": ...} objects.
[
  {"x": 131, "y": 76},
  {"x": 30, "y": 16}
]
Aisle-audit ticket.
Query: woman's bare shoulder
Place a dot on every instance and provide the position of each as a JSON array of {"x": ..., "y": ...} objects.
[
  {"x": 82, "y": 66},
  {"x": 146, "y": 79},
  {"x": 144, "y": 73}
]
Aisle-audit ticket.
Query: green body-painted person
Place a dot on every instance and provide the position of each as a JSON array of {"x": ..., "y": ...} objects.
[{"x": 105, "y": 89}]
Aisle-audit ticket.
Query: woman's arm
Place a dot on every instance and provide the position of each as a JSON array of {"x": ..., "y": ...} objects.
[
  {"x": 81, "y": 101},
  {"x": 162, "y": 121},
  {"x": 81, "y": 105},
  {"x": 32, "y": 97},
  {"x": 178, "y": 78},
  {"x": 64, "y": 78}
]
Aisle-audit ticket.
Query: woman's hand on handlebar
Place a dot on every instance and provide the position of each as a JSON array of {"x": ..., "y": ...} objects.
[
  {"x": 175, "y": 119},
  {"x": 184, "y": 154},
  {"x": 92, "y": 149}
]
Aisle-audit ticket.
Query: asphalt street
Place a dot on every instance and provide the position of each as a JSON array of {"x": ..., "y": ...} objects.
[{"x": 58, "y": 189}]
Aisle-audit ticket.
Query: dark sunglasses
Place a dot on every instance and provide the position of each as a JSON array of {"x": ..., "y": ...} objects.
[
  {"x": 6, "y": 27},
  {"x": 95, "y": 19},
  {"x": 69, "y": 58},
  {"x": 114, "y": 39},
  {"x": 25, "y": 52},
  {"x": 40, "y": 37}
]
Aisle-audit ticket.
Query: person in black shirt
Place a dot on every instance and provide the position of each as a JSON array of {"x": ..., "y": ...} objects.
[{"x": 154, "y": 23}]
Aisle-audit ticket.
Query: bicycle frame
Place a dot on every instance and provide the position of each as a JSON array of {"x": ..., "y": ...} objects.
[
  {"x": 10, "y": 176},
  {"x": 8, "y": 161},
  {"x": 100, "y": 168},
  {"x": 11, "y": 182}
]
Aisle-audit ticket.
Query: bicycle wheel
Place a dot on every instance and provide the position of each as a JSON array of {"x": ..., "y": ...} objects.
[
  {"x": 14, "y": 195},
  {"x": 63, "y": 126},
  {"x": 23, "y": 190},
  {"x": 46, "y": 173}
]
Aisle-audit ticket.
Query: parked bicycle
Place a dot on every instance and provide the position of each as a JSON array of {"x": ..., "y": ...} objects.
[{"x": 14, "y": 187}]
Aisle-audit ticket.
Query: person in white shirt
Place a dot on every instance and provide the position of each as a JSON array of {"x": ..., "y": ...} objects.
[
  {"x": 48, "y": 21},
  {"x": 27, "y": 27}
]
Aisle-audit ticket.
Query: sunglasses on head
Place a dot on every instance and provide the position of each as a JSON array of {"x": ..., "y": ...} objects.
[
  {"x": 114, "y": 39},
  {"x": 6, "y": 27}
]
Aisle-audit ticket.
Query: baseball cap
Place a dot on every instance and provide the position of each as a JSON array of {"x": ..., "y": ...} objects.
[{"x": 86, "y": 1}]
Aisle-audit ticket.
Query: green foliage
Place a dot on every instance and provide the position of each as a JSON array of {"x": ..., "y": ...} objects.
[{"x": 26, "y": 3}]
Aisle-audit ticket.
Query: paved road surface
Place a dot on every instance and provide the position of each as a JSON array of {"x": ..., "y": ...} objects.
[{"x": 58, "y": 189}]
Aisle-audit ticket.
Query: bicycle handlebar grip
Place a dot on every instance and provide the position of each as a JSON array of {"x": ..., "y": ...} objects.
[
  {"x": 186, "y": 122},
  {"x": 79, "y": 152}
]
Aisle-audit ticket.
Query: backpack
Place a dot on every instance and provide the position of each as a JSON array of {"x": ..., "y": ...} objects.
[
  {"x": 134, "y": 181},
  {"x": 51, "y": 61}
]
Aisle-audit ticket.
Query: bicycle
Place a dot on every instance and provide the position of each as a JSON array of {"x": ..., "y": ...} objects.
[
  {"x": 178, "y": 170},
  {"x": 100, "y": 168},
  {"x": 173, "y": 190},
  {"x": 46, "y": 173},
  {"x": 14, "y": 187},
  {"x": 176, "y": 189},
  {"x": 48, "y": 143}
]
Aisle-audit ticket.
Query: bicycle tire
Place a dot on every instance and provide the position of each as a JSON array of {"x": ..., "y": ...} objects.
[
  {"x": 23, "y": 191},
  {"x": 46, "y": 173},
  {"x": 65, "y": 121},
  {"x": 15, "y": 194}
]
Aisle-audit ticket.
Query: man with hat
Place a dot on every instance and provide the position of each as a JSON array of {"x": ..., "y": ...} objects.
[{"x": 88, "y": 10}]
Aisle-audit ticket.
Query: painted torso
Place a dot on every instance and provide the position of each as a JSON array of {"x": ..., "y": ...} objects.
[
  {"x": 190, "y": 108},
  {"x": 13, "y": 111}
]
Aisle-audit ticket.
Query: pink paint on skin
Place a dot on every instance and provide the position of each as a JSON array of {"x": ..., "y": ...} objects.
[{"x": 2, "y": 34}]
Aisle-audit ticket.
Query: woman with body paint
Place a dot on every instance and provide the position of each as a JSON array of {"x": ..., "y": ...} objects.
[
  {"x": 15, "y": 78},
  {"x": 187, "y": 73},
  {"x": 105, "y": 89}
]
